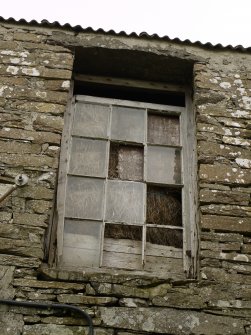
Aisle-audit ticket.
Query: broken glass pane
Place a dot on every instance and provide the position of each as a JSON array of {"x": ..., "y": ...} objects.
[
  {"x": 163, "y": 165},
  {"x": 126, "y": 162},
  {"x": 84, "y": 198},
  {"x": 163, "y": 130},
  {"x": 91, "y": 120},
  {"x": 122, "y": 246},
  {"x": 164, "y": 206},
  {"x": 125, "y": 202},
  {"x": 82, "y": 242},
  {"x": 165, "y": 236},
  {"x": 88, "y": 157},
  {"x": 128, "y": 124}
]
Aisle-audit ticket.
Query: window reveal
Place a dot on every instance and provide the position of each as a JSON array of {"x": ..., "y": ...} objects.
[{"x": 124, "y": 187}]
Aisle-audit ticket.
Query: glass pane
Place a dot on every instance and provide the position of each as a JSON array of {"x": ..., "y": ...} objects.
[
  {"x": 163, "y": 206},
  {"x": 91, "y": 120},
  {"x": 125, "y": 162},
  {"x": 163, "y": 165},
  {"x": 163, "y": 130},
  {"x": 88, "y": 157},
  {"x": 82, "y": 241},
  {"x": 165, "y": 236},
  {"x": 125, "y": 202},
  {"x": 84, "y": 198},
  {"x": 128, "y": 124}
]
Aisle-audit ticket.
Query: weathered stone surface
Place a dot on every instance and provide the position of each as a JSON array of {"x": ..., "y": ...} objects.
[
  {"x": 49, "y": 123},
  {"x": 21, "y": 248},
  {"x": 222, "y": 276},
  {"x": 19, "y": 261},
  {"x": 224, "y": 197},
  {"x": 221, "y": 237},
  {"x": 28, "y": 135},
  {"x": 21, "y": 232},
  {"x": 35, "y": 192},
  {"x": 24, "y": 160},
  {"x": 39, "y": 206},
  {"x": 48, "y": 284},
  {"x": 86, "y": 300},
  {"x": 246, "y": 248},
  {"x": 11, "y": 323},
  {"x": 6, "y": 277},
  {"x": 30, "y": 219},
  {"x": 231, "y": 246},
  {"x": 224, "y": 174},
  {"x": 170, "y": 321},
  {"x": 38, "y": 107},
  {"x": 226, "y": 223},
  {"x": 19, "y": 147},
  {"x": 231, "y": 210},
  {"x": 52, "y": 329}
]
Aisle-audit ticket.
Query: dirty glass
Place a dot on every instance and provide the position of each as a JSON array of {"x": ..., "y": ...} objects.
[
  {"x": 82, "y": 242},
  {"x": 88, "y": 157},
  {"x": 84, "y": 198},
  {"x": 91, "y": 120},
  {"x": 163, "y": 165},
  {"x": 125, "y": 202},
  {"x": 128, "y": 124}
]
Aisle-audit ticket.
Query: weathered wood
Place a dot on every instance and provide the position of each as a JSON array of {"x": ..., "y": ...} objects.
[
  {"x": 163, "y": 130},
  {"x": 173, "y": 110},
  {"x": 152, "y": 85}
]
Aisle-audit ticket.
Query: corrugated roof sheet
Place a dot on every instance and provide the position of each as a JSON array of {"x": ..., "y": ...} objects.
[{"x": 78, "y": 28}]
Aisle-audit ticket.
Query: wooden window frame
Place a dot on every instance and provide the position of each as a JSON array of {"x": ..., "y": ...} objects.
[{"x": 189, "y": 171}]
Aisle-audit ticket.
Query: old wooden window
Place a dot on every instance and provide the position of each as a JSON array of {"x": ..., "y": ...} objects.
[{"x": 126, "y": 187}]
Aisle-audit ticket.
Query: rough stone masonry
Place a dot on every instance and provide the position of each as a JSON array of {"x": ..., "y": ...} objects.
[{"x": 36, "y": 63}]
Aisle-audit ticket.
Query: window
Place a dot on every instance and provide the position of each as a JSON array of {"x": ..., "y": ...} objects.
[{"x": 125, "y": 187}]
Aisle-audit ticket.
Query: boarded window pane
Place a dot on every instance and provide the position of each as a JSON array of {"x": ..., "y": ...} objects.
[
  {"x": 165, "y": 236},
  {"x": 82, "y": 243},
  {"x": 122, "y": 246},
  {"x": 163, "y": 130},
  {"x": 163, "y": 165},
  {"x": 88, "y": 157},
  {"x": 128, "y": 124},
  {"x": 84, "y": 198},
  {"x": 126, "y": 162},
  {"x": 125, "y": 202},
  {"x": 163, "y": 206},
  {"x": 91, "y": 120}
]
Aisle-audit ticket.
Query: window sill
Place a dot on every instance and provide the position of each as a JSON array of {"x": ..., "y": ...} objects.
[{"x": 109, "y": 275}]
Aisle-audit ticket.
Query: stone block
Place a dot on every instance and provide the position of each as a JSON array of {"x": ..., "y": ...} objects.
[
  {"x": 222, "y": 173},
  {"x": 170, "y": 321},
  {"x": 29, "y": 135},
  {"x": 21, "y": 248},
  {"x": 29, "y": 219},
  {"x": 19, "y": 261},
  {"x": 86, "y": 300},
  {"x": 224, "y": 197},
  {"x": 227, "y": 210},
  {"x": 11, "y": 323},
  {"x": 6, "y": 278},
  {"x": 226, "y": 223},
  {"x": 49, "y": 284}
]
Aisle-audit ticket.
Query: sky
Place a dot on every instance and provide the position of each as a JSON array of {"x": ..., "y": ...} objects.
[{"x": 215, "y": 21}]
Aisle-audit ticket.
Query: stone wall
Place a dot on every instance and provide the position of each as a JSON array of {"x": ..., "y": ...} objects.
[{"x": 36, "y": 68}]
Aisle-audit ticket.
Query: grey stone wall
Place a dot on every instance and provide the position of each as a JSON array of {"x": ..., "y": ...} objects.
[{"x": 35, "y": 69}]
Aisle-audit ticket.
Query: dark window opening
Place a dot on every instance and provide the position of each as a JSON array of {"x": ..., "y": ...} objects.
[{"x": 130, "y": 93}]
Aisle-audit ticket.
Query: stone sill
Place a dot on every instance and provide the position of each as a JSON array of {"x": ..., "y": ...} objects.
[{"x": 114, "y": 276}]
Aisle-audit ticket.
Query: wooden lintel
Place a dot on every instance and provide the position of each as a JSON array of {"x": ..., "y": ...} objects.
[{"x": 129, "y": 83}]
